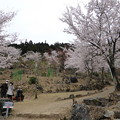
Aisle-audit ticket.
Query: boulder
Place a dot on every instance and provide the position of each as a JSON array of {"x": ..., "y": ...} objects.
[
  {"x": 109, "y": 114},
  {"x": 71, "y": 96},
  {"x": 96, "y": 101},
  {"x": 117, "y": 114},
  {"x": 80, "y": 112},
  {"x": 81, "y": 87},
  {"x": 96, "y": 112}
]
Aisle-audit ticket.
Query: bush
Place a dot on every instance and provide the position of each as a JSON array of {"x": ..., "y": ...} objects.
[
  {"x": 73, "y": 80},
  {"x": 43, "y": 74},
  {"x": 32, "y": 80},
  {"x": 39, "y": 87},
  {"x": 95, "y": 74}
]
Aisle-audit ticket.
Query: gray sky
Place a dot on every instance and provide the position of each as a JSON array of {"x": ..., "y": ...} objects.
[{"x": 38, "y": 20}]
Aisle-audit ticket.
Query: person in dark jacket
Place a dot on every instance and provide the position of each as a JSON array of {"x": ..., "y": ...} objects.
[
  {"x": 4, "y": 88},
  {"x": 19, "y": 95}
]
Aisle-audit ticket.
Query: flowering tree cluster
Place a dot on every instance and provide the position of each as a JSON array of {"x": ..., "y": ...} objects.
[
  {"x": 55, "y": 60},
  {"x": 84, "y": 59},
  {"x": 33, "y": 59},
  {"x": 41, "y": 63},
  {"x": 30, "y": 55},
  {"x": 8, "y": 55},
  {"x": 52, "y": 58},
  {"x": 98, "y": 31}
]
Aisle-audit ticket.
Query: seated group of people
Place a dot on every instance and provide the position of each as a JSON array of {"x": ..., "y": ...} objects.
[{"x": 7, "y": 91}]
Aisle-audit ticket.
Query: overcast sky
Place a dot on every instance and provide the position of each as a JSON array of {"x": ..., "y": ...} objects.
[{"x": 38, "y": 20}]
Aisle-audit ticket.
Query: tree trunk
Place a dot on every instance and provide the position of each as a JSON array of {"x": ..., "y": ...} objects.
[
  {"x": 36, "y": 94},
  {"x": 102, "y": 76},
  {"x": 36, "y": 91},
  {"x": 115, "y": 78}
]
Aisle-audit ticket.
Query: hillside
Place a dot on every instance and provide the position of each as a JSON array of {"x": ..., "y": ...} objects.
[{"x": 54, "y": 100}]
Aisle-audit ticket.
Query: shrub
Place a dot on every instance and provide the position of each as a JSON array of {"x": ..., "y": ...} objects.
[
  {"x": 32, "y": 80},
  {"x": 39, "y": 87},
  {"x": 95, "y": 74},
  {"x": 43, "y": 74}
]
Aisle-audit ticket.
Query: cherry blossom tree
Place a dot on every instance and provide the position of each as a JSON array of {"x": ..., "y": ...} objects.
[
  {"x": 53, "y": 60},
  {"x": 99, "y": 28},
  {"x": 84, "y": 58},
  {"x": 34, "y": 57},
  {"x": 8, "y": 55},
  {"x": 30, "y": 55},
  {"x": 52, "y": 57}
]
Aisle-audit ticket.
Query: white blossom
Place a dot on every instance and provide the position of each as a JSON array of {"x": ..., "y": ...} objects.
[
  {"x": 30, "y": 55},
  {"x": 52, "y": 58},
  {"x": 8, "y": 55}
]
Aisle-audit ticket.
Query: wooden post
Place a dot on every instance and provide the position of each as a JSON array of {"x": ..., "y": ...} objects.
[{"x": 7, "y": 110}]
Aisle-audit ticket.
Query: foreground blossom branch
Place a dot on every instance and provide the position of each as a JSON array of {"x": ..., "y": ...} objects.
[{"x": 8, "y": 55}]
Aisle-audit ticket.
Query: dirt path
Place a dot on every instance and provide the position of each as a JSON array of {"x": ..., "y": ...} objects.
[{"x": 48, "y": 106}]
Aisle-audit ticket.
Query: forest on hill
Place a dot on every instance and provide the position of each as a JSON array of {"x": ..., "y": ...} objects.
[{"x": 40, "y": 47}]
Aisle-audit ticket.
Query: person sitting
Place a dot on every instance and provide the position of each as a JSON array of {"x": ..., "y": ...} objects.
[{"x": 19, "y": 95}]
